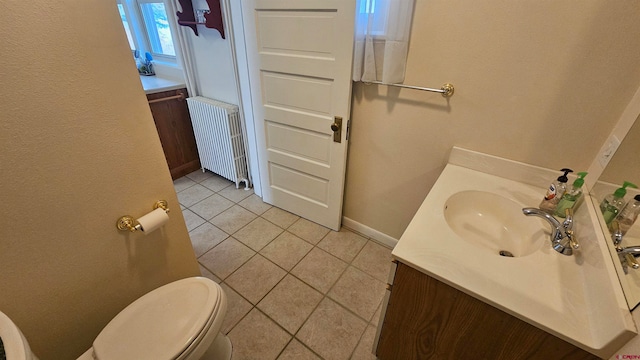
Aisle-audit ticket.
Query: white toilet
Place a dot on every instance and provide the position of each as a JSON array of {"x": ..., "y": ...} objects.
[
  {"x": 14, "y": 344},
  {"x": 177, "y": 321}
]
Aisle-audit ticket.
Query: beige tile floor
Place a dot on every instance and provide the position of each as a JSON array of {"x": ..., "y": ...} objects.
[{"x": 296, "y": 290}]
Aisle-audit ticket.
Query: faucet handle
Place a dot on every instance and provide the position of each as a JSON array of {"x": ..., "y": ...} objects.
[
  {"x": 614, "y": 228},
  {"x": 631, "y": 261},
  {"x": 572, "y": 240},
  {"x": 568, "y": 225},
  {"x": 568, "y": 218}
]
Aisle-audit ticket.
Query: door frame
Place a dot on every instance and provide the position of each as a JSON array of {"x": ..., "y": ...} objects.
[{"x": 241, "y": 67}]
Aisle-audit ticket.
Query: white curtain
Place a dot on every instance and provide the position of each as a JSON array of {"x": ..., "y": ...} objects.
[
  {"x": 383, "y": 28},
  {"x": 184, "y": 50}
]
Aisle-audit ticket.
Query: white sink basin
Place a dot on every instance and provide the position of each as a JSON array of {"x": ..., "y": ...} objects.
[{"x": 495, "y": 223}]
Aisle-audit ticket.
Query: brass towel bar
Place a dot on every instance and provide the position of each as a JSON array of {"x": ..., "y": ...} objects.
[{"x": 446, "y": 90}]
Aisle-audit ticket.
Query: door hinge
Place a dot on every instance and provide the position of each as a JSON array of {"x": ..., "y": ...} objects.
[{"x": 348, "y": 128}]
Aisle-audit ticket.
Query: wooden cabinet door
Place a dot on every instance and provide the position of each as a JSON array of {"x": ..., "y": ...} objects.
[
  {"x": 428, "y": 319},
  {"x": 171, "y": 115}
]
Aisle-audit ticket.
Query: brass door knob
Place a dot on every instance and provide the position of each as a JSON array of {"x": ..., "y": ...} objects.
[{"x": 336, "y": 127}]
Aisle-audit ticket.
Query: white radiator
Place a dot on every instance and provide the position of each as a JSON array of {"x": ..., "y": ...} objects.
[{"x": 219, "y": 138}]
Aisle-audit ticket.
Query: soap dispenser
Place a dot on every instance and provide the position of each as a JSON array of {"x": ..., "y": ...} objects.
[
  {"x": 571, "y": 198},
  {"x": 629, "y": 214},
  {"x": 613, "y": 203},
  {"x": 555, "y": 192}
]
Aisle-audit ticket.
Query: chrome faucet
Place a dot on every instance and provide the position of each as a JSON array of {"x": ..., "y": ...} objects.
[
  {"x": 626, "y": 255},
  {"x": 562, "y": 238}
]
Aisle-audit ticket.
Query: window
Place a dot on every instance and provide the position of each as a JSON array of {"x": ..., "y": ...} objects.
[
  {"x": 375, "y": 12},
  {"x": 383, "y": 28},
  {"x": 127, "y": 29},
  {"x": 157, "y": 26},
  {"x": 147, "y": 26}
]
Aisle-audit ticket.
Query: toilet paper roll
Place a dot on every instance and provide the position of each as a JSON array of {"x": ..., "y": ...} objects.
[{"x": 153, "y": 220}]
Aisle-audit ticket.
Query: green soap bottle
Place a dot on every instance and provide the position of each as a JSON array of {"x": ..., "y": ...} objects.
[
  {"x": 571, "y": 199},
  {"x": 613, "y": 203}
]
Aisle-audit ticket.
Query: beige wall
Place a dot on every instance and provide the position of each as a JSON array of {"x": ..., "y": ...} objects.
[
  {"x": 78, "y": 149},
  {"x": 542, "y": 82}
]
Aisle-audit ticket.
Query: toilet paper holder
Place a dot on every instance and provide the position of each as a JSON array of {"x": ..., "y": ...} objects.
[{"x": 127, "y": 222}]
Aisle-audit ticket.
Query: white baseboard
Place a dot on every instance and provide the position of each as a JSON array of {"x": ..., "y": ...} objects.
[{"x": 374, "y": 234}]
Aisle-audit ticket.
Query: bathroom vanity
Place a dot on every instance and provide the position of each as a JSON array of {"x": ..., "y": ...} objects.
[
  {"x": 437, "y": 321},
  {"x": 452, "y": 294}
]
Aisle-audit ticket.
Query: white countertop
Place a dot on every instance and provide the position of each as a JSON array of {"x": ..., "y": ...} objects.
[
  {"x": 155, "y": 84},
  {"x": 577, "y": 298}
]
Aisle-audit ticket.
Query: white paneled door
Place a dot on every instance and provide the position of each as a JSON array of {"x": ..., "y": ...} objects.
[{"x": 299, "y": 54}]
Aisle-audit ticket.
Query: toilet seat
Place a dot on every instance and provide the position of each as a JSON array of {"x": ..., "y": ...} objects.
[
  {"x": 166, "y": 323},
  {"x": 14, "y": 343}
]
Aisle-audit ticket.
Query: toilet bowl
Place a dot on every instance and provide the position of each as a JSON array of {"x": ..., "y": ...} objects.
[
  {"x": 177, "y": 321},
  {"x": 13, "y": 342}
]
